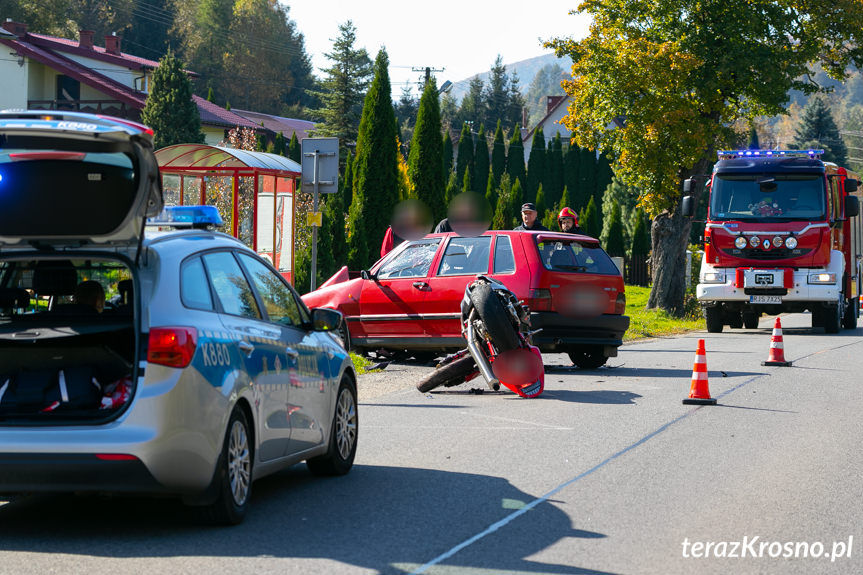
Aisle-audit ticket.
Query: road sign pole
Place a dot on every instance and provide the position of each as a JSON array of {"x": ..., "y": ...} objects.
[{"x": 314, "y": 227}]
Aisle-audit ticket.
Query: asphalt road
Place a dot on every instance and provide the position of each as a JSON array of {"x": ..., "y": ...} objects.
[{"x": 606, "y": 472}]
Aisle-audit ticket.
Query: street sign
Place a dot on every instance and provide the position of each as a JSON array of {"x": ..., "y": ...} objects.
[{"x": 323, "y": 153}]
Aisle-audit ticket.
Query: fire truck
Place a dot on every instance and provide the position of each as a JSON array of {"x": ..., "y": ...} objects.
[{"x": 782, "y": 235}]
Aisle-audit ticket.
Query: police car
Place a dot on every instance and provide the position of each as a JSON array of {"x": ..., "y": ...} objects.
[{"x": 162, "y": 362}]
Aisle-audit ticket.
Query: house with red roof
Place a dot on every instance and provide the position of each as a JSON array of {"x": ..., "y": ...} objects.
[{"x": 42, "y": 72}]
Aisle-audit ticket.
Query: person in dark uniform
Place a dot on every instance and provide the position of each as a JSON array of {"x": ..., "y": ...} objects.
[{"x": 529, "y": 219}]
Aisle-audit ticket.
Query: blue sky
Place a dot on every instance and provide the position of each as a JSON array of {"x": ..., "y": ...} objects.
[{"x": 462, "y": 36}]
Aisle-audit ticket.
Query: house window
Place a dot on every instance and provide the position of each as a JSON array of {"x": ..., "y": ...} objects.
[{"x": 68, "y": 91}]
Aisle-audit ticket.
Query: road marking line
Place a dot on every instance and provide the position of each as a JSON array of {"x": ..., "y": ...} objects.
[{"x": 542, "y": 499}]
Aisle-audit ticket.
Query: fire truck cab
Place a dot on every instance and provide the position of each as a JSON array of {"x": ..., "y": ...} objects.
[{"x": 782, "y": 235}]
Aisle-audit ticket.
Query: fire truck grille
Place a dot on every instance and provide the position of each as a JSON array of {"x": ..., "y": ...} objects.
[{"x": 768, "y": 255}]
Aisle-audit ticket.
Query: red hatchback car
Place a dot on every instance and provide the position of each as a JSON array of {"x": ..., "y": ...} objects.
[{"x": 409, "y": 300}]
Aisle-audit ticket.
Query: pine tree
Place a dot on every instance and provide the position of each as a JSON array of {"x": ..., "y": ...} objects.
[
  {"x": 170, "y": 110},
  {"x": 589, "y": 221},
  {"x": 515, "y": 157},
  {"x": 817, "y": 129},
  {"x": 480, "y": 162},
  {"x": 611, "y": 237},
  {"x": 295, "y": 151},
  {"x": 426, "y": 154},
  {"x": 498, "y": 156},
  {"x": 465, "y": 159},
  {"x": 375, "y": 170},
  {"x": 447, "y": 155},
  {"x": 535, "y": 165}
]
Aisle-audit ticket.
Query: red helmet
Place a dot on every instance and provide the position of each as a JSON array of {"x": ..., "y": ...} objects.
[{"x": 567, "y": 213}]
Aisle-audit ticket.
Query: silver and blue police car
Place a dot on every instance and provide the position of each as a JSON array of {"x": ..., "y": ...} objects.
[{"x": 170, "y": 362}]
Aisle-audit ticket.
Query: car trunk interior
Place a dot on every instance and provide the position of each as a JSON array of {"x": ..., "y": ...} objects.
[{"x": 67, "y": 340}]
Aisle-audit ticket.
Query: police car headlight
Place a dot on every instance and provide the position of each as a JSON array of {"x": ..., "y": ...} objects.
[
  {"x": 822, "y": 278},
  {"x": 790, "y": 242},
  {"x": 740, "y": 242},
  {"x": 714, "y": 277},
  {"x": 754, "y": 241}
]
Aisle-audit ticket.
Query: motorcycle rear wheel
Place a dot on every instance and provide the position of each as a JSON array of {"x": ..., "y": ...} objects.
[
  {"x": 495, "y": 317},
  {"x": 448, "y": 375}
]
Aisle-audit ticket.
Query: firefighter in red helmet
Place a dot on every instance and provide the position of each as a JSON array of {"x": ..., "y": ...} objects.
[{"x": 567, "y": 220}]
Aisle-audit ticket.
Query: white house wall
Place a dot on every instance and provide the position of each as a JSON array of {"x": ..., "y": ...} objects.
[
  {"x": 117, "y": 73},
  {"x": 551, "y": 126},
  {"x": 15, "y": 82}
]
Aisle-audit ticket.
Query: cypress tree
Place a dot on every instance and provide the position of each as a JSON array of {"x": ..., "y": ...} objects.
[
  {"x": 516, "y": 199},
  {"x": 452, "y": 187},
  {"x": 565, "y": 202},
  {"x": 326, "y": 258},
  {"x": 817, "y": 129},
  {"x": 347, "y": 182},
  {"x": 480, "y": 162},
  {"x": 535, "y": 165},
  {"x": 334, "y": 227},
  {"x": 295, "y": 152},
  {"x": 426, "y": 154},
  {"x": 589, "y": 220},
  {"x": 541, "y": 205},
  {"x": 586, "y": 177},
  {"x": 640, "y": 236},
  {"x": 502, "y": 218},
  {"x": 604, "y": 175},
  {"x": 515, "y": 157},
  {"x": 279, "y": 146},
  {"x": 552, "y": 179},
  {"x": 491, "y": 193},
  {"x": 375, "y": 169},
  {"x": 465, "y": 159},
  {"x": 571, "y": 161},
  {"x": 170, "y": 110},
  {"x": 211, "y": 95},
  {"x": 498, "y": 156},
  {"x": 611, "y": 237},
  {"x": 447, "y": 155}
]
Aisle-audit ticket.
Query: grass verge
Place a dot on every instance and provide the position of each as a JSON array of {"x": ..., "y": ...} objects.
[{"x": 645, "y": 323}]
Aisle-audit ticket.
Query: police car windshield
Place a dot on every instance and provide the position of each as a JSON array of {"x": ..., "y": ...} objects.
[{"x": 767, "y": 197}]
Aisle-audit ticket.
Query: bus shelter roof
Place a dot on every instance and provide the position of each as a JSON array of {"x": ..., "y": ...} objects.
[{"x": 197, "y": 158}]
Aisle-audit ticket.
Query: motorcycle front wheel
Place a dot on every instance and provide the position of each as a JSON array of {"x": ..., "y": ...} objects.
[
  {"x": 448, "y": 375},
  {"x": 495, "y": 317}
]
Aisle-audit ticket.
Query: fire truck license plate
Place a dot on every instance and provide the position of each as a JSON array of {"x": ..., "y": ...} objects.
[{"x": 765, "y": 299}]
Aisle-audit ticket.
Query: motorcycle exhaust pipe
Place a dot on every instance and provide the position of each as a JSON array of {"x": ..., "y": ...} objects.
[{"x": 479, "y": 357}]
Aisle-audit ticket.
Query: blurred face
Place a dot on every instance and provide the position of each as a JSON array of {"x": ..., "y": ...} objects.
[
  {"x": 566, "y": 224},
  {"x": 528, "y": 217}
]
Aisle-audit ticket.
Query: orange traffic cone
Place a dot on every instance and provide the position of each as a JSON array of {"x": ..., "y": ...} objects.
[
  {"x": 699, "y": 393},
  {"x": 777, "y": 349}
]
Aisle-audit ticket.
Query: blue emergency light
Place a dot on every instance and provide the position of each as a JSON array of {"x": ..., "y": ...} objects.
[
  {"x": 187, "y": 217},
  {"x": 734, "y": 154}
]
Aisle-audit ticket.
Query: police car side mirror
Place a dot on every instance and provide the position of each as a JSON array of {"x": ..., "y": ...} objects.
[
  {"x": 687, "y": 206},
  {"x": 324, "y": 319},
  {"x": 852, "y": 204}
]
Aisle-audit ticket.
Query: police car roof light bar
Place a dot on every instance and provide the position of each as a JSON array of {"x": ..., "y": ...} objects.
[
  {"x": 734, "y": 154},
  {"x": 198, "y": 217}
]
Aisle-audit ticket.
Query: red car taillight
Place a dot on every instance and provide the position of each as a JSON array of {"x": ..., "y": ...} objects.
[
  {"x": 620, "y": 304},
  {"x": 172, "y": 346},
  {"x": 539, "y": 300}
]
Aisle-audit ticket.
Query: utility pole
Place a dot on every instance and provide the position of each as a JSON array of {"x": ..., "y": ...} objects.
[{"x": 427, "y": 72}]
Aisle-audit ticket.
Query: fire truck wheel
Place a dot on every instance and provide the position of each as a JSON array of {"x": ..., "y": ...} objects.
[
  {"x": 832, "y": 318},
  {"x": 852, "y": 310},
  {"x": 750, "y": 320},
  {"x": 713, "y": 319}
]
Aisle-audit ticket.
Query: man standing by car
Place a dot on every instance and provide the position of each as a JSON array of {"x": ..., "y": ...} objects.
[{"x": 529, "y": 219}]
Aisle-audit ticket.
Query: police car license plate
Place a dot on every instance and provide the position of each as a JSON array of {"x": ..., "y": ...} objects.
[{"x": 765, "y": 299}]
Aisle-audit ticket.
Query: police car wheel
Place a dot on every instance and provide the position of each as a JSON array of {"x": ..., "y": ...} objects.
[
  {"x": 233, "y": 474},
  {"x": 342, "y": 449}
]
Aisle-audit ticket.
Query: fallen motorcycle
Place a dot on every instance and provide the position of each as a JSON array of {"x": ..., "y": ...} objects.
[{"x": 497, "y": 329}]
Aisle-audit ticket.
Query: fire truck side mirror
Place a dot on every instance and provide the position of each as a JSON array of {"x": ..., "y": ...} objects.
[
  {"x": 850, "y": 185},
  {"x": 852, "y": 204},
  {"x": 687, "y": 207}
]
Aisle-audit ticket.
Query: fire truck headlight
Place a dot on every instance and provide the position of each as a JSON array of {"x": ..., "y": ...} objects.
[
  {"x": 740, "y": 242},
  {"x": 754, "y": 241},
  {"x": 790, "y": 242},
  {"x": 822, "y": 278},
  {"x": 714, "y": 277},
  {"x": 777, "y": 241}
]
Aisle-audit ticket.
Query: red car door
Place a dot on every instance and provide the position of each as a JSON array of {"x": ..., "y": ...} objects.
[
  {"x": 461, "y": 261},
  {"x": 391, "y": 303}
]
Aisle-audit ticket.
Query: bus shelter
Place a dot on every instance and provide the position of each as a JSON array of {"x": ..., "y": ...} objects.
[{"x": 253, "y": 191}]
